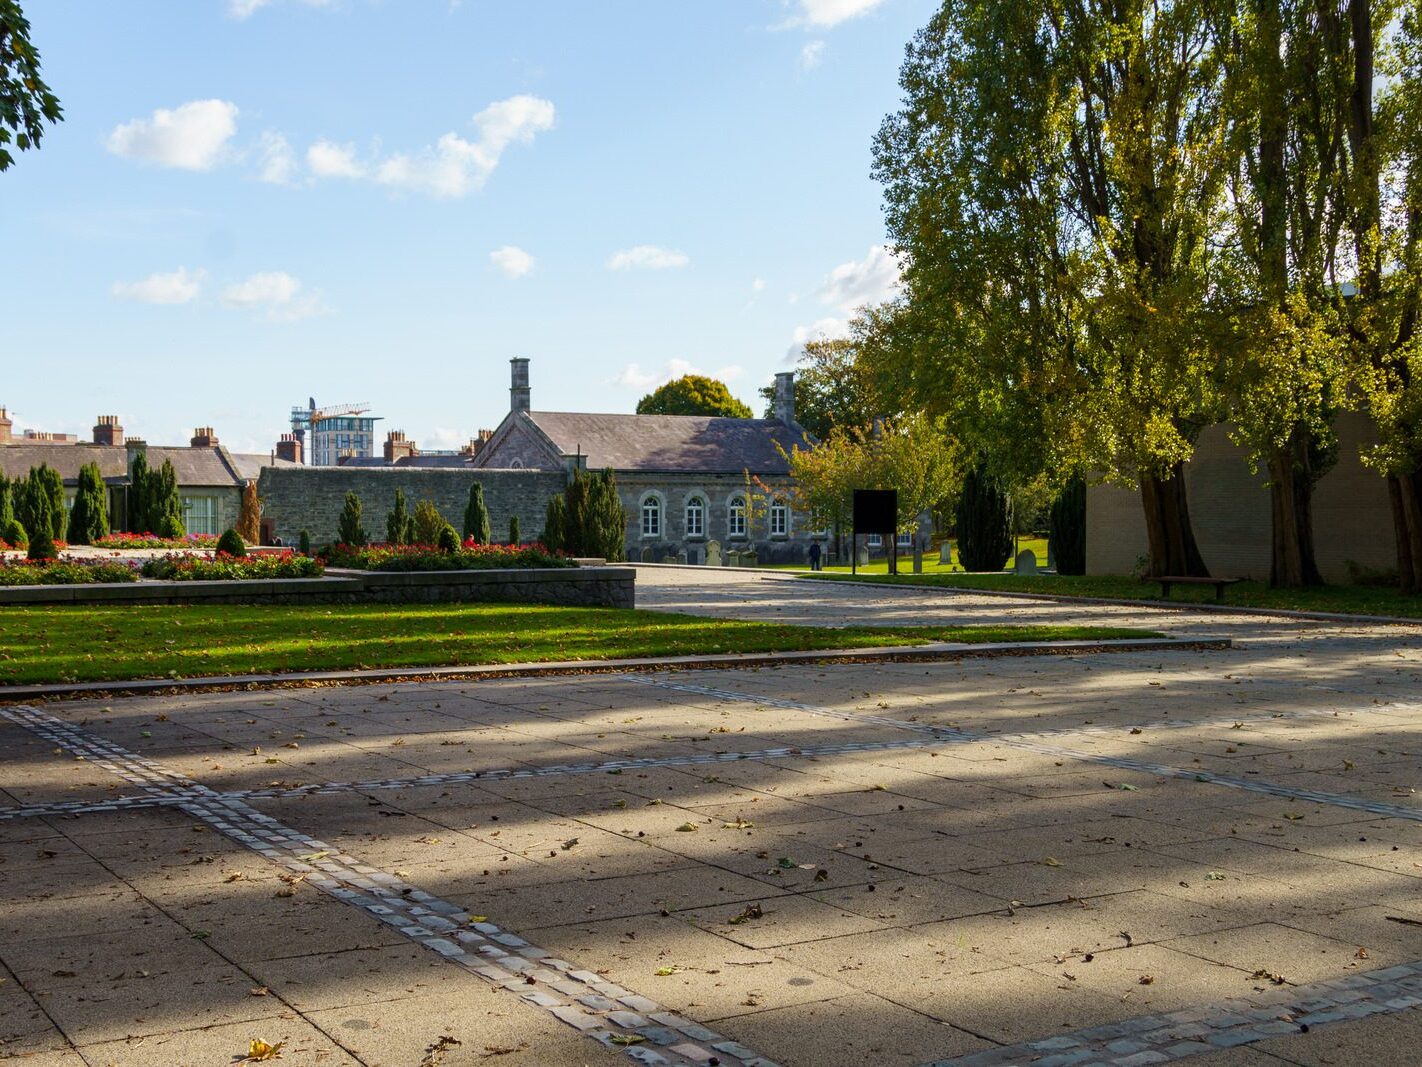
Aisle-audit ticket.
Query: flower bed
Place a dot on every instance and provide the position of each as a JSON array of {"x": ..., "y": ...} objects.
[
  {"x": 471, "y": 557},
  {"x": 148, "y": 540},
  {"x": 64, "y": 572},
  {"x": 222, "y": 567}
]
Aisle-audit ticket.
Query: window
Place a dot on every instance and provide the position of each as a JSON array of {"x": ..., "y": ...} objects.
[
  {"x": 905, "y": 540},
  {"x": 200, "y": 514},
  {"x": 876, "y": 541},
  {"x": 695, "y": 517},
  {"x": 736, "y": 517},
  {"x": 779, "y": 519},
  {"x": 651, "y": 517}
]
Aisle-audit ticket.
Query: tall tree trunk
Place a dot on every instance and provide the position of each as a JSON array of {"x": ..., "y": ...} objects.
[
  {"x": 1291, "y": 481},
  {"x": 1173, "y": 550},
  {"x": 1405, "y": 494}
]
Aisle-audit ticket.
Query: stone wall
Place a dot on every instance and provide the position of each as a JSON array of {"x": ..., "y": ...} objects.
[
  {"x": 311, "y": 498},
  {"x": 1229, "y": 507}
]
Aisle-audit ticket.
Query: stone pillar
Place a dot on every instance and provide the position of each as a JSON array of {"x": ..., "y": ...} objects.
[
  {"x": 782, "y": 406},
  {"x": 520, "y": 395}
]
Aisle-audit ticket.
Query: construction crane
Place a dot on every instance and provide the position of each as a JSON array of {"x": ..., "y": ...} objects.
[{"x": 303, "y": 419}]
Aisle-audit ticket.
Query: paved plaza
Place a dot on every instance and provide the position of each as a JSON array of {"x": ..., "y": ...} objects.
[{"x": 1119, "y": 858}]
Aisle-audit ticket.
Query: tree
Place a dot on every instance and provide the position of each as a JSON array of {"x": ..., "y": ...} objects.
[
  {"x": 397, "y": 520},
  {"x": 249, "y": 515},
  {"x": 26, "y": 102},
  {"x": 232, "y": 543},
  {"x": 555, "y": 522},
  {"x": 447, "y": 541},
  {"x": 1068, "y": 528},
  {"x": 514, "y": 538},
  {"x": 476, "y": 517},
  {"x": 41, "y": 534},
  {"x": 349, "y": 530},
  {"x": 428, "y": 523},
  {"x": 693, "y": 394},
  {"x": 1053, "y": 180},
  {"x": 833, "y": 387},
  {"x": 983, "y": 522},
  {"x": 139, "y": 510},
  {"x": 40, "y": 502},
  {"x": 89, "y": 517},
  {"x": 7, "y": 507},
  {"x": 167, "y": 505},
  {"x": 595, "y": 522}
]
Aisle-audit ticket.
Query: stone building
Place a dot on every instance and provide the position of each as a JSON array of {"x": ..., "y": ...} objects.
[
  {"x": 210, "y": 478},
  {"x": 1230, "y": 513},
  {"x": 687, "y": 481}
]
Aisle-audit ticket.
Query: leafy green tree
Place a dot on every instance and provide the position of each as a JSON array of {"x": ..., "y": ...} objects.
[
  {"x": 397, "y": 520},
  {"x": 1053, "y": 180},
  {"x": 514, "y": 538},
  {"x": 139, "y": 510},
  {"x": 26, "y": 102},
  {"x": 693, "y": 394},
  {"x": 167, "y": 505},
  {"x": 428, "y": 523},
  {"x": 89, "y": 517},
  {"x": 833, "y": 387},
  {"x": 476, "y": 517},
  {"x": 555, "y": 523},
  {"x": 349, "y": 530}
]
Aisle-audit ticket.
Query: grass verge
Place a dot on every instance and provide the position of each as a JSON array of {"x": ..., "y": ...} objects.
[
  {"x": 1350, "y": 600},
  {"x": 80, "y": 643}
]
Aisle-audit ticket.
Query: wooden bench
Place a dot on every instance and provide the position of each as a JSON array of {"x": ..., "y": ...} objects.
[{"x": 1166, "y": 581}]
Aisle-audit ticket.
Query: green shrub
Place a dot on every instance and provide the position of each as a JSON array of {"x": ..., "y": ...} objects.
[
  {"x": 232, "y": 544},
  {"x": 39, "y": 523},
  {"x": 555, "y": 522},
  {"x": 167, "y": 504},
  {"x": 595, "y": 522},
  {"x": 425, "y": 558},
  {"x": 476, "y": 517},
  {"x": 89, "y": 518},
  {"x": 138, "y": 516},
  {"x": 13, "y": 534},
  {"x": 65, "y": 572},
  {"x": 428, "y": 523},
  {"x": 350, "y": 531},
  {"x": 303, "y": 542},
  {"x": 514, "y": 531},
  {"x": 7, "y": 507},
  {"x": 984, "y": 522},
  {"x": 1068, "y": 532},
  {"x": 448, "y": 540},
  {"x": 178, "y": 568},
  {"x": 39, "y": 499},
  {"x": 397, "y": 522}
]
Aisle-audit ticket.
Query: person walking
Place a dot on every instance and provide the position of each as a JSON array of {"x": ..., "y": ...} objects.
[{"x": 814, "y": 555}]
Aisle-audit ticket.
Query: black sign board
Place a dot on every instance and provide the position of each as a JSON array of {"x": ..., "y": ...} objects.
[{"x": 876, "y": 511}]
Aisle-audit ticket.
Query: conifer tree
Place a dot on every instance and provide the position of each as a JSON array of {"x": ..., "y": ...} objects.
[
  {"x": 167, "y": 504},
  {"x": 476, "y": 517},
  {"x": 139, "y": 511},
  {"x": 89, "y": 518},
  {"x": 555, "y": 524},
  {"x": 514, "y": 538},
  {"x": 397, "y": 520},
  {"x": 350, "y": 531}
]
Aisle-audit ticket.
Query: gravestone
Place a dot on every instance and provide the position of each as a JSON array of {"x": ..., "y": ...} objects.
[
  {"x": 917, "y": 557},
  {"x": 1026, "y": 562},
  {"x": 713, "y": 554},
  {"x": 945, "y": 554},
  {"x": 647, "y": 555},
  {"x": 748, "y": 559},
  {"x": 863, "y": 555}
]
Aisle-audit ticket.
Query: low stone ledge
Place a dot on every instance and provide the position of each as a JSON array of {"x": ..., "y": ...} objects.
[{"x": 613, "y": 587}]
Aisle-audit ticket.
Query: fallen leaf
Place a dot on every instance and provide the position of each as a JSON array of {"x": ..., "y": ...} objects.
[
  {"x": 1052, "y": 861},
  {"x": 627, "y": 1039},
  {"x": 687, "y": 828},
  {"x": 662, "y": 972},
  {"x": 259, "y": 1051},
  {"x": 751, "y": 911},
  {"x": 739, "y": 824},
  {"x": 1146, "y": 979}
]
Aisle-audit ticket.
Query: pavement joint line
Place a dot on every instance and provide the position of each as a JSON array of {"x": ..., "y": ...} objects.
[
  {"x": 602, "y": 1010},
  {"x": 1124, "y": 763},
  {"x": 1176, "y": 1035},
  {"x": 155, "y": 797}
]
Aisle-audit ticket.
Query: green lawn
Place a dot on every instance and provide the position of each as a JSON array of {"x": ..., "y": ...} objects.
[
  {"x": 81, "y": 643},
  {"x": 1038, "y": 545},
  {"x": 1356, "y": 600}
]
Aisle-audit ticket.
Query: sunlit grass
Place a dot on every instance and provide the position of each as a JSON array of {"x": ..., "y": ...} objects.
[{"x": 114, "y": 642}]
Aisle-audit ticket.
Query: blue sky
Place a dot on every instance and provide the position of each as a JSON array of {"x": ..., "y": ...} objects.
[{"x": 255, "y": 201}]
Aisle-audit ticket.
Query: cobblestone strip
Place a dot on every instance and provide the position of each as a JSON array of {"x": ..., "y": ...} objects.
[
  {"x": 616, "y": 1017},
  {"x": 1025, "y": 742},
  {"x": 170, "y": 799},
  {"x": 1212, "y": 1027}
]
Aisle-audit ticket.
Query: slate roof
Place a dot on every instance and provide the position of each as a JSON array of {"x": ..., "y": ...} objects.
[
  {"x": 249, "y": 464},
  {"x": 405, "y": 461},
  {"x": 682, "y": 443},
  {"x": 193, "y": 466}
]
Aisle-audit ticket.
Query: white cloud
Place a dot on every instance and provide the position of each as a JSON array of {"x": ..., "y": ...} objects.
[
  {"x": 192, "y": 136},
  {"x": 817, "y": 331},
  {"x": 633, "y": 377},
  {"x": 513, "y": 262},
  {"x": 242, "y": 9},
  {"x": 811, "y": 55},
  {"x": 871, "y": 280},
  {"x": 455, "y": 166},
  {"x": 275, "y": 293},
  {"x": 827, "y": 13},
  {"x": 649, "y": 257},
  {"x": 278, "y": 161},
  {"x": 326, "y": 159},
  {"x": 179, "y": 287},
  {"x": 758, "y": 285}
]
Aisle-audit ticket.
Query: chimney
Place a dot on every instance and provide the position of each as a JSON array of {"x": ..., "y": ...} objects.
[
  {"x": 783, "y": 406},
  {"x": 289, "y": 448},
  {"x": 203, "y": 437},
  {"x": 519, "y": 393},
  {"x": 7, "y": 427},
  {"x": 107, "y": 431},
  {"x": 397, "y": 447}
]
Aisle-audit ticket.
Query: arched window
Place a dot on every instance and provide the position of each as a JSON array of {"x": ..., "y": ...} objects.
[
  {"x": 779, "y": 518},
  {"x": 736, "y": 517},
  {"x": 696, "y": 517},
  {"x": 651, "y": 517}
]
